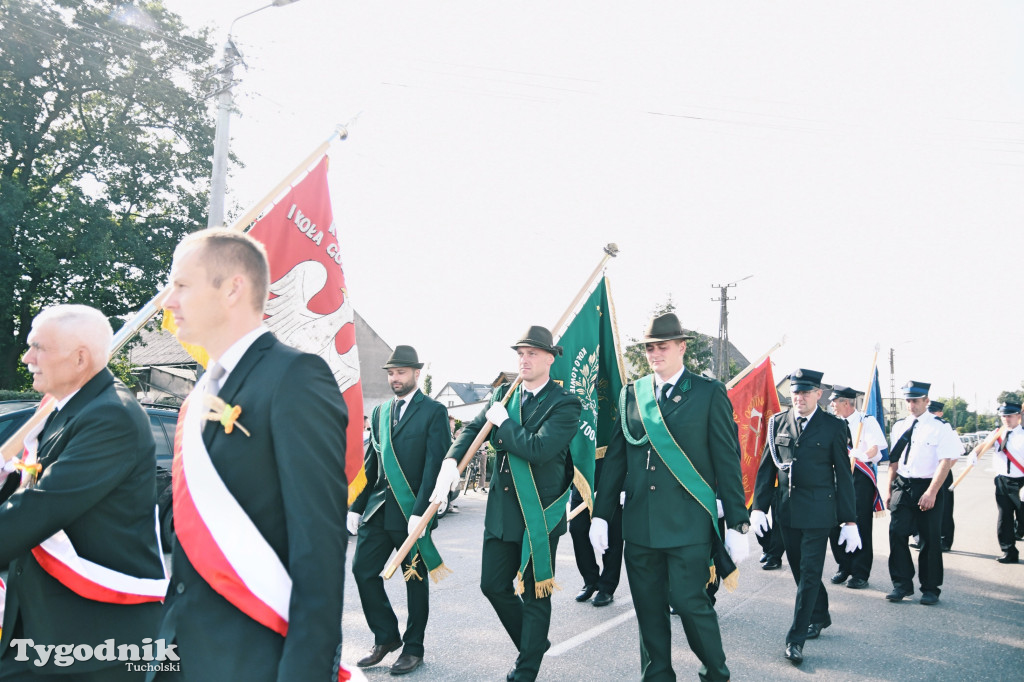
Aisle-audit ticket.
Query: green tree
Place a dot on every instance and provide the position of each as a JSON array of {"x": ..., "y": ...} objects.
[
  {"x": 105, "y": 148},
  {"x": 698, "y": 351},
  {"x": 428, "y": 385},
  {"x": 1010, "y": 396}
]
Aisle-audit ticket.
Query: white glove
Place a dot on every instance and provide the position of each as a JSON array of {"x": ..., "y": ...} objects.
[
  {"x": 759, "y": 522},
  {"x": 413, "y": 522},
  {"x": 496, "y": 414},
  {"x": 599, "y": 535},
  {"x": 851, "y": 536},
  {"x": 972, "y": 459},
  {"x": 736, "y": 545},
  {"x": 622, "y": 499},
  {"x": 447, "y": 480},
  {"x": 860, "y": 452},
  {"x": 352, "y": 522},
  {"x": 721, "y": 509}
]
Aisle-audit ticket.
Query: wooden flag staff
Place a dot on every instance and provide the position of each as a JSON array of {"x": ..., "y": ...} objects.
[
  {"x": 13, "y": 446},
  {"x": 981, "y": 449},
  {"x": 610, "y": 251},
  {"x": 867, "y": 397}
]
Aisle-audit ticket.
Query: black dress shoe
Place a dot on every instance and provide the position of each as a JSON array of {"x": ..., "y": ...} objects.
[
  {"x": 764, "y": 557},
  {"x": 406, "y": 663},
  {"x": 377, "y": 654},
  {"x": 603, "y": 599},
  {"x": 897, "y": 594},
  {"x": 1009, "y": 558},
  {"x": 772, "y": 564},
  {"x": 795, "y": 653},
  {"x": 586, "y": 593},
  {"x": 929, "y": 598},
  {"x": 814, "y": 629},
  {"x": 857, "y": 583},
  {"x": 840, "y": 577}
]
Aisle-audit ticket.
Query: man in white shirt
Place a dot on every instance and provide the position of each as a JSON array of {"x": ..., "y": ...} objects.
[
  {"x": 923, "y": 450},
  {"x": 1008, "y": 463}
]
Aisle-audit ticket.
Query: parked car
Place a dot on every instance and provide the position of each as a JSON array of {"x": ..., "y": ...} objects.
[{"x": 162, "y": 422}]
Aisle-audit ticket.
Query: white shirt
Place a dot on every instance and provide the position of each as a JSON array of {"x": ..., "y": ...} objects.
[
  {"x": 673, "y": 380},
  {"x": 931, "y": 441},
  {"x": 870, "y": 434},
  {"x": 405, "y": 406},
  {"x": 534, "y": 391},
  {"x": 1016, "y": 445},
  {"x": 229, "y": 360}
]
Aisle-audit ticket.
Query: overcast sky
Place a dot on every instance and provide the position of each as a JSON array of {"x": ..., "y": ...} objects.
[{"x": 863, "y": 161}]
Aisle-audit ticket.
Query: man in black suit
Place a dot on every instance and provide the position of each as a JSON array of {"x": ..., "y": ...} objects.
[
  {"x": 409, "y": 439},
  {"x": 806, "y": 456},
  {"x": 596, "y": 579},
  {"x": 96, "y": 495},
  {"x": 533, "y": 472},
  {"x": 256, "y": 592},
  {"x": 674, "y": 450}
]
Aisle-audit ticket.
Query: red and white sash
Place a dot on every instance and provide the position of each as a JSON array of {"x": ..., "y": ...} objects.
[
  {"x": 57, "y": 556},
  {"x": 218, "y": 537},
  {"x": 1005, "y": 449}
]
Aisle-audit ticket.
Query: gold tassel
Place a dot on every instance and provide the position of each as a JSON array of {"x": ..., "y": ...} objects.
[
  {"x": 711, "y": 577},
  {"x": 440, "y": 573},
  {"x": 545, "y": 588},
  {"x": 519, "y": 584},
  {"x": 411, "y": 572},
  {"x": 581, "y": 484},
  {"x": 732, "y": 581}
]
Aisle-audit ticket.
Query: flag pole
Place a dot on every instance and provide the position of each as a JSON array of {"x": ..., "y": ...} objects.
[
  {"x": 13, "y": 446},
  {"x": 610, "y": 251},
  {"x": 754, "y": 365},
  {"x": 867, "y": 396},
  {"x": 981, "y": 449}
]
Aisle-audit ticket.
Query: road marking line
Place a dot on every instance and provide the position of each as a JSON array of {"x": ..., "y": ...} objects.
[{"x": 590, "y": 634}]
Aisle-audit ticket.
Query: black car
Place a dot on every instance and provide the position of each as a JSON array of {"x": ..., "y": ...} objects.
[{"x": 162, "y": 421}]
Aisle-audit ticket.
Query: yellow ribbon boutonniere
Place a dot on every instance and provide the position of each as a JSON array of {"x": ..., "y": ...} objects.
[
  {"x": 34, "y": 469},
  {"x": 226, "y": 414}
]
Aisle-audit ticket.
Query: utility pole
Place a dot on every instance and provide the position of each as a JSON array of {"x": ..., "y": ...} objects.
[
  {"x": 892, "y": 384},
  {"x": 722, "y": 356}
]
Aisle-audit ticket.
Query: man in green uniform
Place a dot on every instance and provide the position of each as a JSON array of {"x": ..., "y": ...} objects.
[
  {"x": 676, "y": 451},
  {"x": 533, "y": 472},
  {"x": 408, "y": 439}
]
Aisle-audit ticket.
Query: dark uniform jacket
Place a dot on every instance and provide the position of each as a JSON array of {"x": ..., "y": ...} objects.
[
  {"x": 420, "y": 441},
  {"x": 658, "y": 512},
  {"x": 818, "y": 491},
  {"x": 543, "y": 441},
  {"x": 98, "y": 484},
  {"x": 289, "y": 477}
]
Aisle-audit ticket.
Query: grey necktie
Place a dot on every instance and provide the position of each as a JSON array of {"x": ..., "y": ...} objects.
[{"x": 216, "y": 373}]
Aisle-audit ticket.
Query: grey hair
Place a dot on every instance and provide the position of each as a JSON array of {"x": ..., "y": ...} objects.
[{"x": 81, "y": 324}]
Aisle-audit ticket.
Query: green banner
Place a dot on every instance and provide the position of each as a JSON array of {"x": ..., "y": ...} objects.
[{"x": 589, "y": 369}]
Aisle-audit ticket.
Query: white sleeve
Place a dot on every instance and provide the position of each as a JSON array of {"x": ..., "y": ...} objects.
[{"x": 949, "y": 446}]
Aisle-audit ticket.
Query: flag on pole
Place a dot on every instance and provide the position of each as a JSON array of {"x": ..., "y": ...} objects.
[
  {"x": 874, "y": 409},
  {"x": 590, "y": 369},
  {"x": 754, "y": 401}
]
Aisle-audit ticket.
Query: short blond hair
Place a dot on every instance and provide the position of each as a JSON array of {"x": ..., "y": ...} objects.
[{"x": 227, "y": 252}]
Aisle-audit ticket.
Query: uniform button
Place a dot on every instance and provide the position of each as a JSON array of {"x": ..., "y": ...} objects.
[
  {"x": 652, "y": 468},
  {"x": 18, "y": 572},
  {"x": 506, "y": 488},
  {"x": 652, "y": 487},
  {"x": 500, "y": 441},
  {"x": 180, "y": 588}
]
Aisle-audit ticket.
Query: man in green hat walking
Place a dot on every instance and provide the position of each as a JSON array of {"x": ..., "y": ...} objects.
[
  {"x": 533, "y": 472},
  {"x": 677, "y": 442},
  {"x": 408, "y": 439}
]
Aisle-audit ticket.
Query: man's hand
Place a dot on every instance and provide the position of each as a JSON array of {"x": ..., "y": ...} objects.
[
  {"x": 759, "y": 522},
  {"x": 352, "y": 522},
  {"x": 447, "y": 480},
  {"x": 737, "y": 545},
  {"x": 972, "y": 459},
  {"x": 413, "y": 522},
  {"x": 851, "y": 537},
  {"x": 927, "y": 501},
  {"x": 599, "y": 535},
  {"x": 860, "y": 452},
  {"x": 496, "y": 414}
]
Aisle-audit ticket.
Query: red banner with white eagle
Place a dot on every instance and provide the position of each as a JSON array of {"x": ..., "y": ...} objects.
[
  {"x": 309, "y": 306},
  {"x": 754, "y": 400}
]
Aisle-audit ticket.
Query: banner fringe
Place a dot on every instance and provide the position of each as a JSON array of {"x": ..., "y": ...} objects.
[
  {"x": 440, "y": 573},
  {"x": 411, "y": 572}
]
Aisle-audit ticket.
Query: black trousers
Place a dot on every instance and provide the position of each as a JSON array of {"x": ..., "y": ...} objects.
[
  {"x": 948, "y": 526},
  {"x": 906, "y": 519},
  {"x": 1010, "y": 509},
  {"x": 373, "y": 549},
  {"x": 771, "y": 541},
  {"x": 805, "y": 551},
  {"x": 858, "y": 564},
  {"x": 526, "y": 618},
  {"x": 679, "y": 575},
  {"x": 579, "y": 528}
]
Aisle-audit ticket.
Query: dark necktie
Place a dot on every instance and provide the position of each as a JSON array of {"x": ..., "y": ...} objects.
[
  {"x": 666, "y": 388},
  {"x": 216, "y": 373},
  {"x": 800, "y": 423},
  {"x": 849, "y": 437},
  {"x": 1006, "y": 448},
  {"x": 49, "y": 420},
  {"x": 396, "y": 413},
  {"x": 902, "y": 446},
  {"x": 529, "y": 405}
]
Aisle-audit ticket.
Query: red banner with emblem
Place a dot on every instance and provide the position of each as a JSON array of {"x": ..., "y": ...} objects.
[
  {"x": 754, "y": 400},
  {"x": 309, "y": 306}
]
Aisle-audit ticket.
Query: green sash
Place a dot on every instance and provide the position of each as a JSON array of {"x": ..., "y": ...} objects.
[
  {"x": 666, "y": 447},
  {"x": 538, "y": 520},
  {"x": 406, "y": 499}
]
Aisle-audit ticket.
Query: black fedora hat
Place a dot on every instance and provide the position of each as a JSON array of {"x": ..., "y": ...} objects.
[
  {"x": 665, "y": 328},
  {"x": 538, "y": 337},
  {"x": 404, "y": 356}
]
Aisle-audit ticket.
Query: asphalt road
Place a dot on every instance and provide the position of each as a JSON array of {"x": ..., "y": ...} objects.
[{"x": 975, "y": 632}]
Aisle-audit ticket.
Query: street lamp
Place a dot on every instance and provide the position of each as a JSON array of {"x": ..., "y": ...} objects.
[{"x": 232, "y": 57}]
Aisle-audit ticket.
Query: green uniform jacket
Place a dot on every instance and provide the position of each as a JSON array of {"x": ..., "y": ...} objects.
[
  {"x": 818, "y": 491},
  {"x": 543, "y": 441},
  {"x": 658, "y": 512},
  {"x": 420, "y": 441}
]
